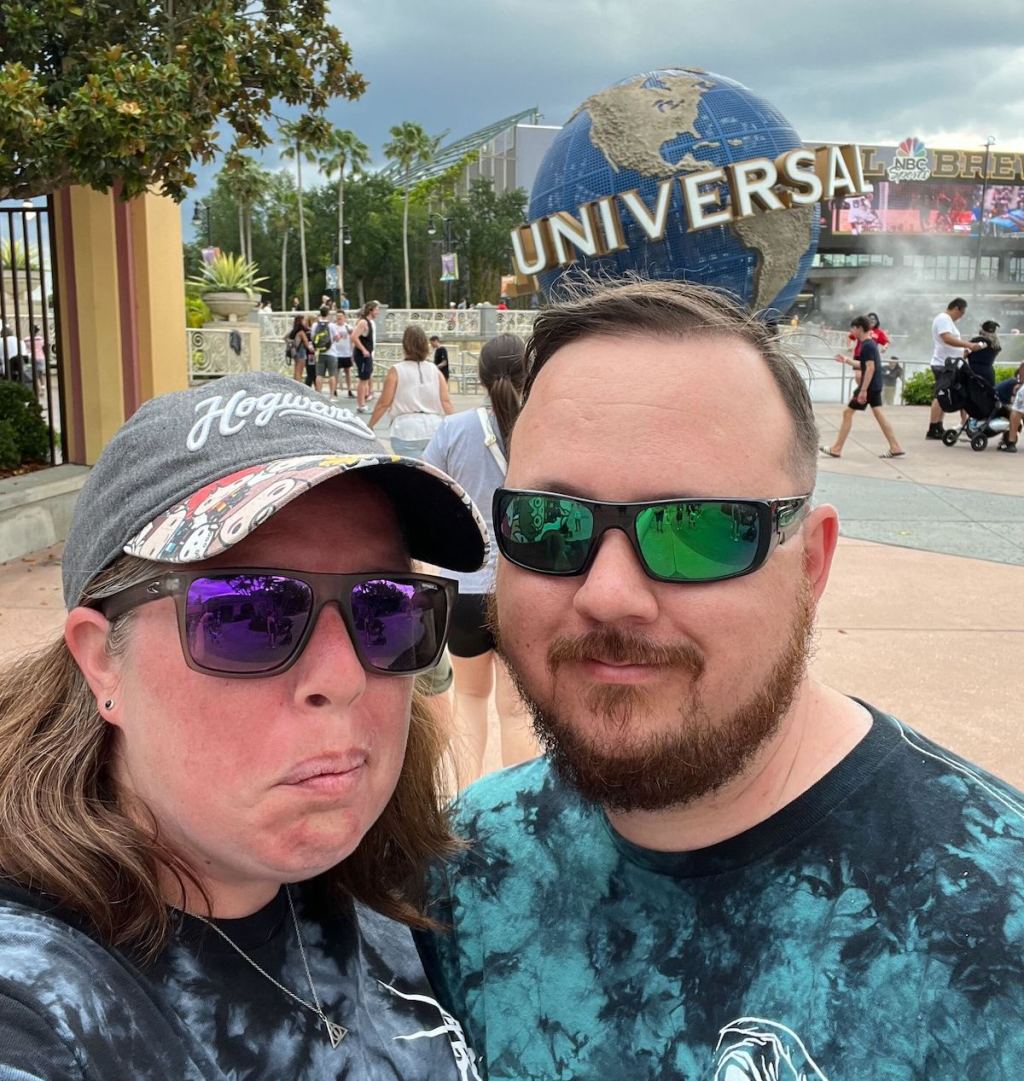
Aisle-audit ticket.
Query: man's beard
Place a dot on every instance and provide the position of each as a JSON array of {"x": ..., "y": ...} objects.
[{"x": 674, "y": 768}]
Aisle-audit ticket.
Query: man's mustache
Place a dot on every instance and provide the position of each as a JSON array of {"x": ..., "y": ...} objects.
[{"x": 619, "y": 646}]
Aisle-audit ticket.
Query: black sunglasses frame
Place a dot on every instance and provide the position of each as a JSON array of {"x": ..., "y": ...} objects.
[
  {"x": 778, "y": 520},
  {"x": 325, "y": 588}
]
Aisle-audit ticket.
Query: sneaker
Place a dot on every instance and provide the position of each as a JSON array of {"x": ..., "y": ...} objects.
[
  {"x": 1010, "y": 448},
  {"x": 935, "y": 433},
  {"x": 362, "y": 409},
  {"x": 351, "y": 394}
]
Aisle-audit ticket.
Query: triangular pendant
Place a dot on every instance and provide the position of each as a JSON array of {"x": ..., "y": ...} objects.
[{"x": 335, "y": 1033}]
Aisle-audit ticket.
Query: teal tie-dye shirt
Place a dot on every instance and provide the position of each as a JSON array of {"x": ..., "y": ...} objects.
[{"x": 871, "y": 929}]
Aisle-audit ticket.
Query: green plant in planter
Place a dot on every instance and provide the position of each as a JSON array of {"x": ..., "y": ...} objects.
[
  {"x": 23, "y": 433},
  {"x": 228, "y": 273},
  {"x": 197, "y": 314},
  {"x": 14, "y": 255}
]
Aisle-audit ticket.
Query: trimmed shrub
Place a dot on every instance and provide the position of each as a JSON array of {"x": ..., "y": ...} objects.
[
  {"x": 10, "y": 456},
  {"x": 1005, "y": 371},
  {"x": 22, "y": 418},
  {"x": 919, "y": 389}
]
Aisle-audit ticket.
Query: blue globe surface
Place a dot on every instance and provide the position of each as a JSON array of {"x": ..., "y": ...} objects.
[{"x": 666, "y": 123}]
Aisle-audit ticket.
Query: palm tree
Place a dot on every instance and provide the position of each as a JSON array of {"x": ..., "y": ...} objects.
[
  {"x": 249, "y": 184},
  {"x": 410, "y": 145},
  {"x": 343, "y": 150},
  {"x": 296, "y": 149},
  {"x": 282, "y": 210}
]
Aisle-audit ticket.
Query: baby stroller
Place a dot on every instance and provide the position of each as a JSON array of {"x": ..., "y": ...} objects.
[{"x": 959, "y": 388}]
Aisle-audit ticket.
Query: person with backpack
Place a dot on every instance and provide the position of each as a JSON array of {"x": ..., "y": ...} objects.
[
  {"x": 470, "y": 447},
  {"x": 326, "y": 361}
]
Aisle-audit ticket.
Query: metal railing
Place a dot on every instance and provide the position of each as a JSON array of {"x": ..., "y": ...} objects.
[{"x": 29, "y": 332}]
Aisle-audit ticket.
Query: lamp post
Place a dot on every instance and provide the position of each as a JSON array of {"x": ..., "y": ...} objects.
[
  {"x": 446, "y": 246},
  {"x": 199, "y": 215},
  {"x": 989, "y": 142}
]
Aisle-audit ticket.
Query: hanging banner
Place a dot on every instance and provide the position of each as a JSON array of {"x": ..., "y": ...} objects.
[{"x": 449, "y": 266}]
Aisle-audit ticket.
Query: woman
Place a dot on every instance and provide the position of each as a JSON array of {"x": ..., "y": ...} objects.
[
  {"x": 416, "y": 396},
  {"x": 471, "y": 446},
  {"x": 983, "y": 361},
  {"x": 301, "y": 349},
  {"x": 218, "y": 791},
  {"x": 363, "y": 335}
]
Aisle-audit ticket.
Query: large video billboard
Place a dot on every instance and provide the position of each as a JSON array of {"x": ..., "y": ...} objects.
[{"x": 932, "y": 206}]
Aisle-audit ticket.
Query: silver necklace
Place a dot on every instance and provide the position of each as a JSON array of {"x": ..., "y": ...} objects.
[{"x": 335, "y": 1032}]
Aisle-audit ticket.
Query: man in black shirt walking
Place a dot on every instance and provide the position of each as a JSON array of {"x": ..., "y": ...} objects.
[
  {"x": 868, "y": 392},
  {"x": 440, "y": 355}
]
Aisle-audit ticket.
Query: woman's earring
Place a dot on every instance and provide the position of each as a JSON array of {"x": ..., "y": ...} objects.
[{"x": 109, "y": 704}]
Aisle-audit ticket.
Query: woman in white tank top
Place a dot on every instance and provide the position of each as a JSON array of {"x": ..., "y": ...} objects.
[{"x": 415, "y": 395}]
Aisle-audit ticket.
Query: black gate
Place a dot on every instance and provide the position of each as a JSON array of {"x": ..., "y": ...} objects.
[{"x": 29, "y": 331}]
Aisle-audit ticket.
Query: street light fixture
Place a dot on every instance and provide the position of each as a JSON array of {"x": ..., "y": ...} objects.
[
  {"x": 346, "y": 235},
  {"x": 199, "y": 215},
  {"x": 989, "y": 143},
  {"x": 431, "y": 227}
]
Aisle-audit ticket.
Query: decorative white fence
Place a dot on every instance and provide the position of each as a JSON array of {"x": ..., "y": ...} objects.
[{"x": 258, "y": 345}]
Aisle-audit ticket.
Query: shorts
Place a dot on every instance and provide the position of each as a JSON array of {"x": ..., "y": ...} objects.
[
  {"x": 364, "y": 366},
  {"x": 326, "y": 365},
  {"x": 436, "y": 680},
  {"x": 469, "y": 635},
  {"x": 937, "y": 370},
  {"x": 409, "y": 448},
  {"x": 1018, "y": 400},
  {"x": 874, "y": 400},
  {"x": 345, "y": 363}
]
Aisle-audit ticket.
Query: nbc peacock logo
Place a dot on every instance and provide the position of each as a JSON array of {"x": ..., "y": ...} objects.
[{"x": 910, "y": 162}]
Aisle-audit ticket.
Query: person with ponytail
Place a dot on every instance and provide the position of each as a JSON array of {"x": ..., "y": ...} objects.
[{"x": 471, "y": 447}]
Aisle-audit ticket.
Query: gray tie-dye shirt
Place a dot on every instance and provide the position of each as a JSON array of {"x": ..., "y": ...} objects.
[
  {"x": 871, "y": 930},
  {"x": 73, "y": 1010}
]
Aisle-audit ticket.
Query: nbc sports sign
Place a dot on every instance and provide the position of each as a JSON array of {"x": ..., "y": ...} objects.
[{"x": 910, "y": 162}]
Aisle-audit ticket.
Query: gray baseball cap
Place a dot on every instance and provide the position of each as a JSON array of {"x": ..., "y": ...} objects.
[{"x": 193, "y": 472}]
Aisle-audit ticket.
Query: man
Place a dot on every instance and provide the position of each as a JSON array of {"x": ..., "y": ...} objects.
[
  {"x": 326, "y": 359},
  {"x": 947, "y": 345},
  {"x": 721, "y": 868},
  {"x": 440, "y": 355},
  {"x": 868, "y": 392},
  {"x": 341, "y": 347}
]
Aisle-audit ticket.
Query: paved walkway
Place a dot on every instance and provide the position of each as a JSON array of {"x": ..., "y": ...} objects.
[{"x": 927, "y": 625}]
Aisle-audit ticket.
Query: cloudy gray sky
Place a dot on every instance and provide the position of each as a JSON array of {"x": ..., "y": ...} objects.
[
  {"x": 873, "y": 71},
  {"x": 863, "y": 72}
]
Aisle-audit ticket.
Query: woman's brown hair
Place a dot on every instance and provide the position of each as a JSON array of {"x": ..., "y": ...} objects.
[
  {"x": 65, "y": 830},
  {"x": 414, "y": 343},
  {"x": 503, "y": 372}
]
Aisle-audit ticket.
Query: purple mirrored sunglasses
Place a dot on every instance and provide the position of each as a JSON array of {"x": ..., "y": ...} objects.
[{"x": 244, "y": 622}]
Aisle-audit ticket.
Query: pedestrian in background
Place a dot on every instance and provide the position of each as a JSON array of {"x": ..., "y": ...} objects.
[
  {"x": 947, "y": 345},
  {"x": 415, "y": 395},
  {"x": 868, "y": 392},
  {"x": 362, "y": 350},
  {"x": 470, "y": 447},
  {"x": 440, "y": 356}
]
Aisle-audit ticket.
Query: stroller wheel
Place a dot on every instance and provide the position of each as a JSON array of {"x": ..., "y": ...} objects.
[
  {"x": 979, "y": 442},
  {"x": 950, "y": 436}
]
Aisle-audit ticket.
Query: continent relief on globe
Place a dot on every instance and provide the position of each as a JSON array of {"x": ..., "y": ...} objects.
[
  {"x": 779, "y": 238},
  {"x": 630, "y": 123}
]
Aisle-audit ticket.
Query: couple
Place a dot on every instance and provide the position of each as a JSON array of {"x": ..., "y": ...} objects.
[{"x": 720, "y": 868}]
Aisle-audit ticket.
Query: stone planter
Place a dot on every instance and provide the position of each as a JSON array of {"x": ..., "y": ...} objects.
[{"x": 229, "y": 305}]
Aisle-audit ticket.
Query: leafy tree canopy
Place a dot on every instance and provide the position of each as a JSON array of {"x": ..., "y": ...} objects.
[{"x": 98, "y": 92}]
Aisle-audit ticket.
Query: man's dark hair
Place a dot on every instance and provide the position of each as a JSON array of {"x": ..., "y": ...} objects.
[
  {"x": 434, "y": 338},
  {"x": 324, "y": 312},
  {"x": 861, "y": 322},
  {"x": 957, "y": 302},
  {"x": 674, "y": 309}
]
